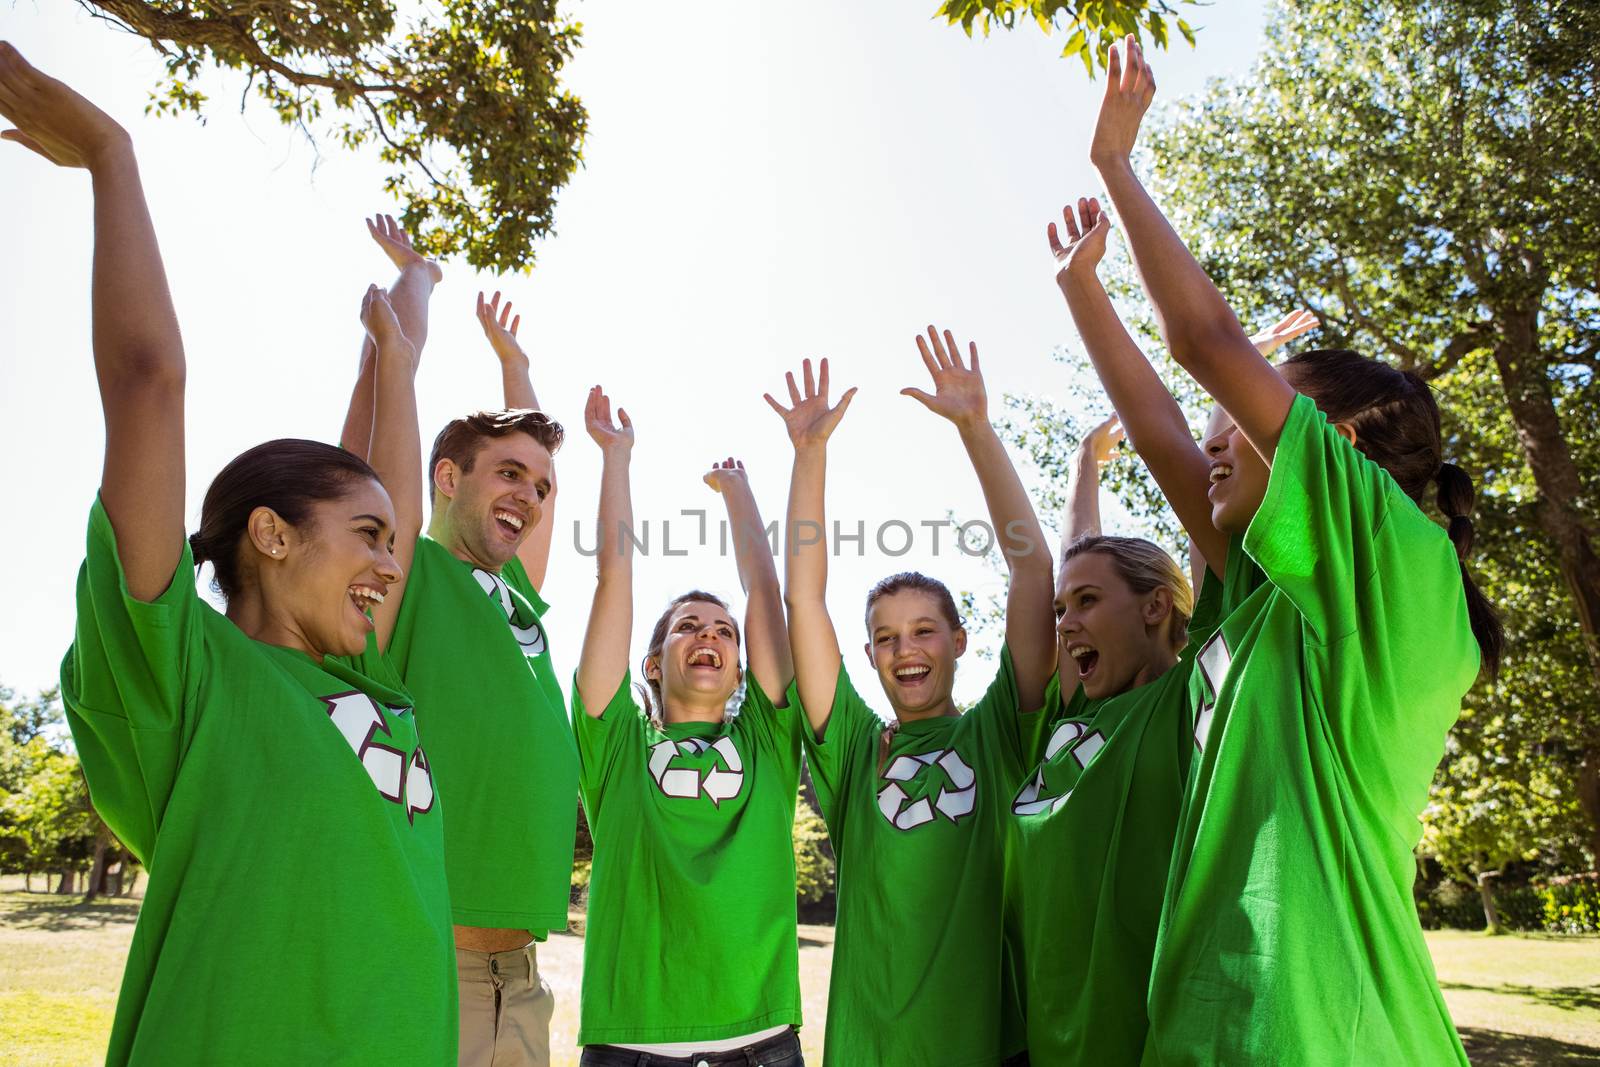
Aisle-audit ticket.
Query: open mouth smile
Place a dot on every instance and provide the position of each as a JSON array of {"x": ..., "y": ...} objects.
[{"x": 365, "y": 598}]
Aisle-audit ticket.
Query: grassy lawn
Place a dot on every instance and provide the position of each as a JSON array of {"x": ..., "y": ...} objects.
[{"x": 1517, "y": 1000}]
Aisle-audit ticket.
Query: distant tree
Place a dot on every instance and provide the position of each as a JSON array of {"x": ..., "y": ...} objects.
[
  {"x": 463, "y": 101},
  {"x": 1091, "y": 26},
  {"x": 813, "y": 858}
]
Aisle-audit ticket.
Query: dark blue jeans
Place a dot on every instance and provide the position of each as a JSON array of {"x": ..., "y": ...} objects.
[{"x": 780, "y": 1051}]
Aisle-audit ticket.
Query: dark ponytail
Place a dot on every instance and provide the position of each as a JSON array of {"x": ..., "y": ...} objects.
[
  {"x": 1396, "y": 423},
  {"x": 1456, "y": 499},
  {"x": 289, "y": 476}
]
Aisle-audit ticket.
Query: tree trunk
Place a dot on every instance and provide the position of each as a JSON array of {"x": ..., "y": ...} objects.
[
  {"x": 130, "y": 879},
  {"x": 1527, "y": 391},
  {"x": 1491, "y": 914},
  {"x": 69, "y": 881},
  {"x": 27, "y": 881},
  {"x": 97, "y": 870}
]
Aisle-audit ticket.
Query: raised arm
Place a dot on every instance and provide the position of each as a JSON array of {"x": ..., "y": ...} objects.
[
  {"x": 1154, "y": 422},
  {"x": 408, "y": 295},
  {"x": 604, "y": 660},
  {"x": 138, "y": 353},
  {"x": 1201, "y": 330},
  {"x": 396, "y": 449},
  {"x": 810, "y": 422},
  {"x": 959, "y": 396},
  {"x": 1098, "y": 447},
  {"x": 766, "y": 632},
  {"x": 500, "y": 327}
]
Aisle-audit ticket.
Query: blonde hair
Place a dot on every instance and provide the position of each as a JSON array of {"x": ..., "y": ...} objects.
[{"x": 1145, "y": 567}]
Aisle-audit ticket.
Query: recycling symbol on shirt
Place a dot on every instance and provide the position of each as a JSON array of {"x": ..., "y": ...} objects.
[
  {"x": 402, "y": 779},
  {"x": 530, "y": 637},
  {"x": 1033, "y": 799},
  {"x": 954, "y": 803},
  {"x": 719, "y": 783}
]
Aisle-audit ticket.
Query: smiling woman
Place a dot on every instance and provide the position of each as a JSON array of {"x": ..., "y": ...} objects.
[
  {"x": 685, "y": 799},
  {"x": 235, "y": 755}
]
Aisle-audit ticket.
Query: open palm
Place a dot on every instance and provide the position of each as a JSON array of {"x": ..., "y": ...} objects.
[
  {"x": 810, "y": 420},
  {"x": 958, "y": 387}
]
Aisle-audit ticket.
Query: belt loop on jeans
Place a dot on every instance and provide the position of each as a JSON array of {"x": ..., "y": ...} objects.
[{"x": 527, "y": 950}]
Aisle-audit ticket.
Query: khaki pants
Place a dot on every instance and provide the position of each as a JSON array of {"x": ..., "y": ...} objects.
[{"x": 505, "y": 1009}]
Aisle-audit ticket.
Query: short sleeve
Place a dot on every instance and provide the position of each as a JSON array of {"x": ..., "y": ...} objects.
[
  {"x": 849, "y": 738},
  {"x": 1316, "y": 531},
  {"x": 775, "y": 729},
  {"x": 1000, "y": 716},
  {"x": 130, "y": 685},
  {"x": 601, "y": 739},
  {"x": 517, "y": 577}
]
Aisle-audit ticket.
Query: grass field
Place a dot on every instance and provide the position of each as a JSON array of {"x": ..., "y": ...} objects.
[{"x": 1518, "y": 1001}]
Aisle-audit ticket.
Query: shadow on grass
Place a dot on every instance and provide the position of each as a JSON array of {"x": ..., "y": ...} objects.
[
  {"x": 42, "y": 911},
  {"x": 1567, "y": 997},
  {"x": 1494, "y": 1048}
]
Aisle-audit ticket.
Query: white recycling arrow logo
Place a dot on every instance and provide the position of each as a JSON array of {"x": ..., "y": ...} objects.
[
  {"x": 531, "y": 638},
  {"x": 403, "y": 780},
  {"x": 1032, "y": 799},
  {"x": 717, "y": 783},
  {"x": 953, "y": 804}
]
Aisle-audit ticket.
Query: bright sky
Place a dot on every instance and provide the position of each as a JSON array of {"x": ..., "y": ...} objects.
[{"x": 761, "y": 183}]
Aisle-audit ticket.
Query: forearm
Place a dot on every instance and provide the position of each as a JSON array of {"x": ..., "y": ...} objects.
[
  {"x": 1150, "y": 415},
  {"x": 1191, "y": 312},
  {"x": 766, "y": 630},
  {"x": 1082, "y": 518},
  {"x": 396, "y": 452},
  {"x": 409, "y": 296},
  {"x": 517, "y": 384},
  {"x": 1011, "y": 513},
  {"x": 804, "y": 542},
  {"x": 604, "y": 660},
  {"x": 356, "y": 437},
  {"x": 1203, "y": 334}
]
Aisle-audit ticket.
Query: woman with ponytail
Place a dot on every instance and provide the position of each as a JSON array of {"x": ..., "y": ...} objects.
[
  {"x": 261, "y": 763},
  {"x": 1288, "y": 931}
]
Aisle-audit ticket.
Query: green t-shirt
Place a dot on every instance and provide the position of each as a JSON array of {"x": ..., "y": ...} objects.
[
  {"x": 1091, "y": 833},
  {"x": 296, "y": 909},
  {"x": 918, "y": 965},
  {"x": 1288, "y": 932},
  {"x": 472, "y": 648},
  {"x": 691, "y": 929}
]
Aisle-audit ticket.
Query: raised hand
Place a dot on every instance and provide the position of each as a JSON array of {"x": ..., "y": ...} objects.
[
  {"x": 500, "y": 327},
  {"x": 1100, "y": 443},
  {"x": 396, "y": 244},
  {"x": 610, "y": 436},
  {"x": 810, "y": 421},
  {"x": 1086, "y": 239},
  {"x": 1295, "y": 324},
  {"x": 727, "y": 475},
  {"x": 1130, "y": 86},
  {"x": 52, "y": 119},
  {"x": 378, "y": 316},
  {"x": 958, "y": 388}
]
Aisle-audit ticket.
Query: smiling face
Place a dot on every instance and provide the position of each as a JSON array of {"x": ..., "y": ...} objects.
[
  {"x": 1109, "y": 638},
  {"x": 485, "y": 513},
  {"x": 331, "y": 570},
  {"x": 914, "y": 649},
  {"x": 1238, "y": 475},
  {"x": 698, "y": 665}
]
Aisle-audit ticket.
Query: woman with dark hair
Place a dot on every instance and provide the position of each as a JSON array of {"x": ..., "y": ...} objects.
[
  {"x": 916, "y": 806},
  {"x": 262, "y": 763},
  {"x": 1288, "y": 929},
  {"x": 691, "y": 953}
]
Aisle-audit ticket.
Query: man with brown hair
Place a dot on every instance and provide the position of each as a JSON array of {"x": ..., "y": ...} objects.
[{"x": 471, "y": 646}]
